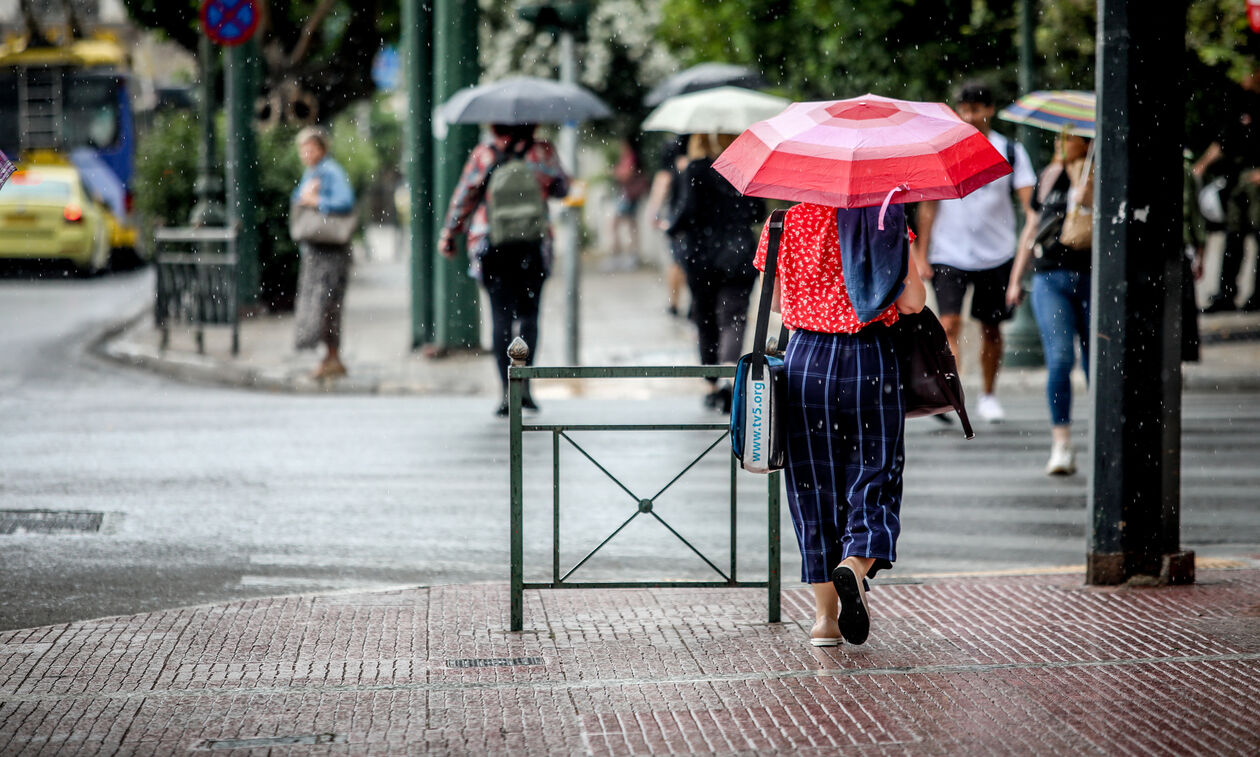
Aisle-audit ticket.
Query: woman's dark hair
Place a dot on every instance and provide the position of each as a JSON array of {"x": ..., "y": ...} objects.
[
  {"x": 974, "y": 93},
  {"x": 514, "y": 132}
]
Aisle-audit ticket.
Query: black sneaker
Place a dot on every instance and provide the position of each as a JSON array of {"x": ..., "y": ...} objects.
[
  {"x": 855, "y": 621},
  {"x": 1252, "y": 304}
]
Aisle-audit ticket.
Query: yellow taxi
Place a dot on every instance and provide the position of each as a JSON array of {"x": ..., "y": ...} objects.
[{"x": 45, "y": 213}]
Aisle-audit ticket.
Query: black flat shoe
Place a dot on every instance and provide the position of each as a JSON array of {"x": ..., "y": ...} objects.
[
  {"x": 855, "y": 621},
  {"x": 528, "y": 403},
  {"x": 502, "y": 412}
]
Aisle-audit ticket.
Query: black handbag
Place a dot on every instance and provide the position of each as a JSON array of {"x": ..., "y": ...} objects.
[{"x": 929, "y": 371}]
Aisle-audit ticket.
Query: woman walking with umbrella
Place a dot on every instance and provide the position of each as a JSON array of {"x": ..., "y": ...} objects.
[
  {"x": 500, "y": 203},
  {"x": 844, "y": 276},
  {"x": 1059, "y": 252}
]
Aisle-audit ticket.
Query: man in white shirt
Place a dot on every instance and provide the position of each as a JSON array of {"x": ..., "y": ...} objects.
[{"x": 970, "y": 242}]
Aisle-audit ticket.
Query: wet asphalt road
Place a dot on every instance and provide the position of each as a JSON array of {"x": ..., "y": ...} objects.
[{"x": 195, "y": 494}]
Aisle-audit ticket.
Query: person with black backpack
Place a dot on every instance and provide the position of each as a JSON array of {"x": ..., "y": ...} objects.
[{"x": 501, "y": 204}]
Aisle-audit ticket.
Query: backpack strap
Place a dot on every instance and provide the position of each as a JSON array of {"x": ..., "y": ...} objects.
[{"x": 775, "y": 225}]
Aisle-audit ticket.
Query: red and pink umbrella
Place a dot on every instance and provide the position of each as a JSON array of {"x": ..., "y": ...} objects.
[{"x": 861, "y": 152}]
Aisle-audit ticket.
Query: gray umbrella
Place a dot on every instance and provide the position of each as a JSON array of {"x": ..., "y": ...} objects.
[
  {"x": 705, "y": 76},
  {"x": 522, "y": 100}
]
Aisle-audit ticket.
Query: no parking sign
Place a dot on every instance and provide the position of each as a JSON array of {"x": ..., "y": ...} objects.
[{"x": 229, "y": 22}]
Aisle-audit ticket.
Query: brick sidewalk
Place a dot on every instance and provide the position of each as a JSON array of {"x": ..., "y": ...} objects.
[{"x": 1015, "y": 665}]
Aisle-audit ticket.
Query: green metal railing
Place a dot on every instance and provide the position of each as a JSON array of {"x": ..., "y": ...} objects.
[
  {"x": 518, "y": 374},
  {"x": 197, "y": 282}
]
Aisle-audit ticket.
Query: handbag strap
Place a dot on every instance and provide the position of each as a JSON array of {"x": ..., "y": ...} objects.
[{"x": 767, "y": 295}]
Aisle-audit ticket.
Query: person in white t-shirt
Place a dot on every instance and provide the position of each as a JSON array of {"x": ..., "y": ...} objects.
[{"x": 970, "y": 242}]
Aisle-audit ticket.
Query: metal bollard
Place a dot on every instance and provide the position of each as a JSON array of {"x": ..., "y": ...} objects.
[{"x": 518, "y": 353}]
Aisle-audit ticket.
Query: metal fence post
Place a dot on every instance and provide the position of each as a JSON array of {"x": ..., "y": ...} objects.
[
  {"x": 518, "y": 352},
  {"x": 772, "y": 574}
]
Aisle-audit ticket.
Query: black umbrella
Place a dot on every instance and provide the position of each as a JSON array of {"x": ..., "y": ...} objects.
[
  {"x": 705, "y": 76},
  {"x": 522, "y": 100}
]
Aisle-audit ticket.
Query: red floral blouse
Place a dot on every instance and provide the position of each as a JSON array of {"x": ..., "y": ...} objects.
[{"x": 814, "y": 297}]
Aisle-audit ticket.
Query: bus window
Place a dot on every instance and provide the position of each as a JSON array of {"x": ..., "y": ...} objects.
[{"x": 91, "y": 111}]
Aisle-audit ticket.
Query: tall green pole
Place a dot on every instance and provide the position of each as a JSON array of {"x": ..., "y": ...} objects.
[
  {"x": 417, "y": 40},
  {"x": 209, "y": 187},
  {"x": 1023, "y": 341},
  {"x": 457, "y": 317},
  {"x": 242, "y": 164}
]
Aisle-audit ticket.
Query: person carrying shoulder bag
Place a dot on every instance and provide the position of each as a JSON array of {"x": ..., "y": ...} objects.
[
  {"x": 1057, "y": 242},
  {"x": 321, "y": 221}
]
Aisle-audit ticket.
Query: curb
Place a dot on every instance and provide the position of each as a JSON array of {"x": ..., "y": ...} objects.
[
  {"x": 192, "y": 368},
  {"x": 111, "y": 345}
]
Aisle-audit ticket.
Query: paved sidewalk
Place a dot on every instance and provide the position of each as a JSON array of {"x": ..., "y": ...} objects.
[
  {"x": 1002, "y": 665},
  {"x": 623, "y": 322}
]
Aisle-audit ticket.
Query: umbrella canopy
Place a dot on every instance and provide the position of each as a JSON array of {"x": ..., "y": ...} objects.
[
  {"x": 522, "y": 100},
  {"x": 704, "y": 76},
  {"x": 1056, "y": 110},
  {"x": 861, "y": 152},
  {"x": 724, "y": 110}
]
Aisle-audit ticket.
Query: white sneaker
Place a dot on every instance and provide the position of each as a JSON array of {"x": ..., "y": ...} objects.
[
  {"x": 1062, "y": 461},
  {"x": 990, "y": 409}
]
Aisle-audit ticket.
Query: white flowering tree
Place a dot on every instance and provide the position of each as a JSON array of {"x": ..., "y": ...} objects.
[{"x": 619, "y": 61}]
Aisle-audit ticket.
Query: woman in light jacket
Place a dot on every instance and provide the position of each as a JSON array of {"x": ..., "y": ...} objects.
[{"x": 325, "y": 269}]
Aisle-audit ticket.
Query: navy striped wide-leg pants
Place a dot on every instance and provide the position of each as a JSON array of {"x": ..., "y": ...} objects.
[{"x": 845, "y": 424}]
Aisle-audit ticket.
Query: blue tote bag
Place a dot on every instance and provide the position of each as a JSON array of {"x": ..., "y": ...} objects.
[{"x": 760, "y": 392}]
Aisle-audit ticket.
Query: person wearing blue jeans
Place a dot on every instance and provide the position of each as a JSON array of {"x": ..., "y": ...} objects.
[{"x": 1060, "y": 290}]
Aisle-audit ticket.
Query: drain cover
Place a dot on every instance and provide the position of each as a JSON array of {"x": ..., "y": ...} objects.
[
  {"x": 494, "y": 662},
  {"x": 49, "y": 521},
  {"x": 310, "y": 738}
]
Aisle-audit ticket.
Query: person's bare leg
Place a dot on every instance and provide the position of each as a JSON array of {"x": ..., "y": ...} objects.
[
  {"x": 859, "y": 565},
  {"x": 826, "y": 610},
  {"x": 1061, "y": 435},
  {"x": 990, "y": 355},
  {"x": 953, "y": 330},
  {"x": 674, "y": 280}
]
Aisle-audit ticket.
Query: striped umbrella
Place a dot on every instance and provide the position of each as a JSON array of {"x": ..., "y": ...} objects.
[
  {"x": 862, "y": 152},
  {"x": 1056, "y": 110}
]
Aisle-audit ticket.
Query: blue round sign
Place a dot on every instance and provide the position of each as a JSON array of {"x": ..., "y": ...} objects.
[{"x": 229, "y": 22}]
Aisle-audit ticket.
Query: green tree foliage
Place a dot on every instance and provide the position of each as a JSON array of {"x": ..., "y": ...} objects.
[
  {"x": 823, "y": 49},
  {"x": 166, "y": 169},
  {"x": 318, "y": 50},
  {"x": 918, "y": 50}
]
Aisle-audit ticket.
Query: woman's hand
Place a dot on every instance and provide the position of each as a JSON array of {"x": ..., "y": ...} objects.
[
  {"x": 914, "y": 296},
  {"x": 309, "y": 196},
  {"x": 446, "y": 245},
  {"x": 1014, "y": 293}
]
